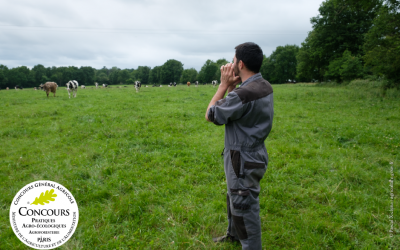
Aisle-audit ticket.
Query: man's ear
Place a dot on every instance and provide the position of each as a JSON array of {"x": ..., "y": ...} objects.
[{"x": 241, "y": 65}]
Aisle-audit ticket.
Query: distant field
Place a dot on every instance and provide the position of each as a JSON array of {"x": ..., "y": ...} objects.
[{"x": 147, "y": 173}]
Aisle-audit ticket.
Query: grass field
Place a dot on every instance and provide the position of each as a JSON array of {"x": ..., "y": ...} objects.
[{"x": 146, "y": 171}]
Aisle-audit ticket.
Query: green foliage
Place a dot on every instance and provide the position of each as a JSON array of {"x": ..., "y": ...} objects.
[
  {"x": 345, "y": 68},
  {"x": 123, "y": 76},
  {"x": 280, "y": 66},
  {"x": 101, "y": 77},
  {"x": 142, "y": 74},
  {"x": 171, "y": 71},
  {"x": 18, "y": 76},
  {"x": 208, "y": 72},
  {"x": 3, "y": 78},
  {"x": 85, "y": 76},
  {"x": 189, "y": 75},
  {"x": 341, "y": 25},
  {"x": 130, "y": 81},
  {"x": 382, "y": 46},
  {"x": 351, "y": 67},
  {"x": 113, "y": 75},
  {"x": 39, "y": 71},
  {"x": 154, "y": 76}
]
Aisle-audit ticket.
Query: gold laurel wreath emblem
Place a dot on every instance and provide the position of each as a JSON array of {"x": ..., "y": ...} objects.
[{"x": 44, "y": 198}]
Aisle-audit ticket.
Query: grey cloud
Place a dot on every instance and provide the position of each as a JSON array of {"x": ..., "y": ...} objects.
[{"x": 127, "y": 34}]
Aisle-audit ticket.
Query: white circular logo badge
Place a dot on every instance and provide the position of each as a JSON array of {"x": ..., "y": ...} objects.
[{"x": 44, "y": 215}]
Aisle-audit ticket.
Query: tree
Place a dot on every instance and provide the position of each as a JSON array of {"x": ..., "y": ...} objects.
[
  {"x": 267, "y": 68},
  {"x": 2, "y": 79},
  {"x": 382, "y": 44},
  {"x": 102, "y": 77},
  {"x": 72, "y": 73},
  {"x": 38, "y": 72},
  {"x": 341, "y": 25},
  {"x": 171, "y": 71},
  {"x": 154, "y": 75},
  {"x": 142, "y": 74},
  {"x": 3, "y": 76},
  {"x": 189, "y": 75},
  {"x": 281, "y": 64},
  {"x": 309, "y": 62},
  {"x": 18, "y": 76},
  {"x": 345, "y": 68},
  {"x": 208, "y": 71},
  {"x": 123, "y": 76},
  {"x": 113, "y": 76}
]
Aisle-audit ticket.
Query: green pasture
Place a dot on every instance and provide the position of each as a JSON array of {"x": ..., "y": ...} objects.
[{"x": 146, "y": 171}]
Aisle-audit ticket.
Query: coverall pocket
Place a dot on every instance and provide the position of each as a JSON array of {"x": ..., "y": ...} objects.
[
  {"x": 235, "y": 160},
  {"x": 254, "y": 172},
  {"x": 240, "y": 199}
]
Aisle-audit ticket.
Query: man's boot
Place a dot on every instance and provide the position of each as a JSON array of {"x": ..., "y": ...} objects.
[{"x": 226, "y": 238}]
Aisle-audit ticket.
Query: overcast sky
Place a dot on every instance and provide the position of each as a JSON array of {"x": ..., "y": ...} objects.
[{"x": 128, "y": 34}]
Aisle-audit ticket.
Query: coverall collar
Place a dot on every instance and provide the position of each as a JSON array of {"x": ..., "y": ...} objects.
[{"x": 251, "y": 78}]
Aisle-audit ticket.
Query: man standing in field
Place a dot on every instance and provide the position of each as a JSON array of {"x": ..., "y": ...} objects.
[{"x": 247, "y": 113}]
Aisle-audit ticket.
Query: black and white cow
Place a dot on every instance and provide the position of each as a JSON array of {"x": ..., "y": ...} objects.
[
  {"x": 196, "y": 83},
  {"x": 174, "y": 84},
  {"x": 137, "y": 86},
  {"x": 105, "y": 85},
  {"x": 72, "y": 86},
  {"x": 83, "y": 87},
  {"x": 214, "y": 82},
  {"x": 170, "y": 84},
  {"x": 18, "y": 87}
]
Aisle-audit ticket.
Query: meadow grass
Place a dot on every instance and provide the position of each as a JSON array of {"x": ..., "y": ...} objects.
[{"x": 146, "y": 171}]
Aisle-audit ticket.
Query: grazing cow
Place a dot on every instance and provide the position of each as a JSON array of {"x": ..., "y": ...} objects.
[
  {"x": 214, "y": 82},
  {"x": 72, "y": 86},
  {"x": 170, "y": 84},
  {"x": 105, "y": 85},
  {"x": 49, "y": 87},
  {"x": 137, "y": 86},
  {"x": 188, "y": 84},
  {"x": 7, "y": 88},
  {"x": 18, "y": 87},
  {"x": 97, "y": 85},
  {"x": 83, "y": 87},
  {"x": 196, "y": 83},
  {"x": 174, "y": 84}
]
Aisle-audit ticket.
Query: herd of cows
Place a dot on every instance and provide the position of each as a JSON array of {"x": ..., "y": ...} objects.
[{"x": 72, "y": 86}]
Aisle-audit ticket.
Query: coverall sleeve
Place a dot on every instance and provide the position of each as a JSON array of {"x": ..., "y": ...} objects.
[{"x": 228, "y": 109}]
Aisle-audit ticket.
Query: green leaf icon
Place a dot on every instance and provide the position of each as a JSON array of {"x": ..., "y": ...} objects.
[{"x": 44, "y": 198}]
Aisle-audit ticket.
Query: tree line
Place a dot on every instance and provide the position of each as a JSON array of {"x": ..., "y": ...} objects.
[
  {"x": 170, "y": 71},
  {"x": 350, "y": 39}
]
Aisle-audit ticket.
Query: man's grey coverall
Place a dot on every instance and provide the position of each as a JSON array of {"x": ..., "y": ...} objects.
[{"x": 247, "y": 113}]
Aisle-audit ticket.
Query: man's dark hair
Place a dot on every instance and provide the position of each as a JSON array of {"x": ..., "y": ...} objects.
[{"x": 251, "y": 55}]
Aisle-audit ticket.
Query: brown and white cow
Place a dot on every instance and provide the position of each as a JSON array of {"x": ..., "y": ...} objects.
[{"x": 49, "y": 87}]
